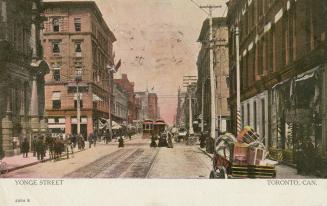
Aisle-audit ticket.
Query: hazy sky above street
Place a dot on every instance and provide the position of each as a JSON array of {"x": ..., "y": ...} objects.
[{"x": 157, "y": 42}]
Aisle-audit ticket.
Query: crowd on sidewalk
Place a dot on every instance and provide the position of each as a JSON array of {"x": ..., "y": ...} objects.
[{"x": 45, "y": 147}]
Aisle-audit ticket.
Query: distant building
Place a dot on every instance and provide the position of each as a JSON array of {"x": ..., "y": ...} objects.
[
  {"x": 22, "y": 72},
  {"x": 120, "y": 107},
  {"x": 129, "y": 88},
  {"x": 148, "y": 105},
  {"x": 142, "y": 98},
  {"x": 77, "y": 42},
  {"x": 221, "y": 71},
  {"x": 180, "y": 113},
  {"x": 153, "y": 106}
]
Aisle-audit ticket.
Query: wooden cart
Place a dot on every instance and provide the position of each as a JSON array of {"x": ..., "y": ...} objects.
[{"x": 237, "y": 160}]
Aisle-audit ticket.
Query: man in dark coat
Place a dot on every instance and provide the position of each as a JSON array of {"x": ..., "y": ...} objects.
[
  {"x": 169, "y": 140},
  {"x": 202, "y": 140},
  {"x": 90, "y": 139},
  {"x": 40, "y": 149},
  {"x": 121, "y": 142},
  {"x": 153, "y": 141},
  {"x": 95, "y": 138},
  {"x": 34, "y": 146},
  {"x": 25, "y": 147}
]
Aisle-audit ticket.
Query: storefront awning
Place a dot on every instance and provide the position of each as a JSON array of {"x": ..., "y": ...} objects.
[
  {"x": 307, "y": 75},
  {"x": 96, "y": 98},
  {"x": 115, "y": 125}
]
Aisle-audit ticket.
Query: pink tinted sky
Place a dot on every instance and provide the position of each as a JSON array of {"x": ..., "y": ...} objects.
[{"x": 157, "y": 42}]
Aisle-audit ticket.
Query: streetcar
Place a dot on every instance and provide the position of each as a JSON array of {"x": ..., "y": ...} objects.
[
  {"x": 147, "y": 128},
  {"x": 159, "y": 127}
]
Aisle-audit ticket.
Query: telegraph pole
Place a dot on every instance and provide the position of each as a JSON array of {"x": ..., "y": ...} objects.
[
  {"x": 191, "y": 131},
  {"x": 188, "y": 80},
  {"x": 78, "y": 78},
  {"x": 212, "y": 80},
  {"x": 202, "y": 107}
]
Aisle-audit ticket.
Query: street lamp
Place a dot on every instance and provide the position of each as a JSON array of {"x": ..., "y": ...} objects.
[
  {"x": 78, "y": 78},
  {"x": 111, "y": 69}
]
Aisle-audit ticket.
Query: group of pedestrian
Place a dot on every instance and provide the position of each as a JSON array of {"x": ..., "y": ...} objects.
[
  {"x": 38, "y": 147},
  {"x": 164, "y": 140}
]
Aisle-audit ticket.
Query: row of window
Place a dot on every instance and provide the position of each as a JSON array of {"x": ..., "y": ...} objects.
[
  {"x": 252, "y": 112},
  {"x": 251, "y": 14},
  {"x": 56, "y": 24},
  {"x": 56, "y": 48},
  {"x": 279, "y": 46},
  {"x": 56, "y": 104}
]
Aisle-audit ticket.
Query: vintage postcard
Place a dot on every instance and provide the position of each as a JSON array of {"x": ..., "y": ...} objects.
[{"x": 100, "y": 95}]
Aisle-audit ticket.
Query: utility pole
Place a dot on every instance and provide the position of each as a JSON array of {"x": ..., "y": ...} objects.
[
  {"x": 191, "y": 131},
  {"x": 238, "y": 92},
  {"x": 187, "y": 81},
  {"x": 202, "y": 106},
  {"x": 221, "y": 44},
  {"x": 212, "y": 80},
  {"x": 78, "y": 78},
  {"x": 111, "y": 69}
]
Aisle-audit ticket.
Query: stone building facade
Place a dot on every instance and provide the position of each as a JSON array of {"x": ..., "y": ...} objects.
[
  {"x": 221, "y": 71},
  {"x": 22, "y": 71},
  {"x": 120, "y": 106},
  {"x": 77, "y": 43},
  {"x": 283, "y": 71},
  {"x": 129, "y": 88}
]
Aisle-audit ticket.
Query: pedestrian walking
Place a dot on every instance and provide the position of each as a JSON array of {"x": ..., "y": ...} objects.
[
  {"x": 153, "y": 141},
  {"x": 169, "y": 140},
  {"x": 129, "y": 134},
  {"x": 121, "y": 142},
  {"x": 34, "y": 141},
  {"x": 90, "y": 139},
  {"x": 202, "y": 140},
  {"x": 40, "y": 149},
  {"x": 95, "y": 138},
  {"x": 108, "y": 137},
  {"x": 25, "y": 147}
]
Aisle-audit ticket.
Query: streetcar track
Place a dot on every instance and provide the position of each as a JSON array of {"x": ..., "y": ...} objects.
[
  {"x": 142, "y": 166},
  {"x": 152, "y": 164},
  {"x": 97, "y": 166},
  {"x": 117, "y": 169}
]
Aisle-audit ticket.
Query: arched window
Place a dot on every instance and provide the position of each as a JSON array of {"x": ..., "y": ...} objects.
[{"x": 55, "y": 24}]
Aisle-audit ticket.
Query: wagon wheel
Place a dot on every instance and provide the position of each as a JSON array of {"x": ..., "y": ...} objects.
[
  {"x": 212, "y": 175},
  {"x": 220, "y": 173}
]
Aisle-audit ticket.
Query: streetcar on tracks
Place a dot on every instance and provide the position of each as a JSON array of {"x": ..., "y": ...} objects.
[
  {"x": 147, "y": 128},
  {"x": 151, "y": 127},
  {"x": 159, "y": 127}
]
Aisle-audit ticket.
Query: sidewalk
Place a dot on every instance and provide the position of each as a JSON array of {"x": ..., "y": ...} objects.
[{"x": 18, "y": 162}]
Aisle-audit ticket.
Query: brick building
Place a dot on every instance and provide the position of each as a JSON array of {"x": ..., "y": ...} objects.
[
  {"x": 129, "y": 88},
  {"x": 283, "y": 71},
  {"x": 77, "y": 43},
  {"x": 221, "y": 70},
  {"x": 22, "y": 71}
]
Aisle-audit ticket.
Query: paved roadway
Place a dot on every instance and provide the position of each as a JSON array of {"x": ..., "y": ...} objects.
[{"x": 135, "y": 160}]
